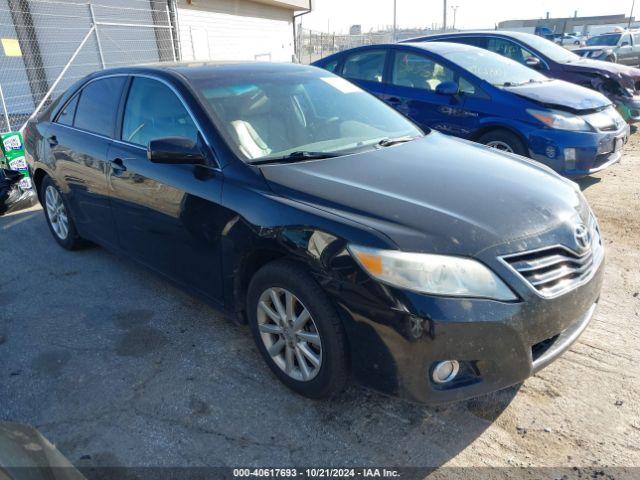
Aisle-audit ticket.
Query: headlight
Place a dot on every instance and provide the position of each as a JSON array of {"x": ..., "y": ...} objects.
[
  {"x": 596, "y": 53},
  {"x": 607, "y": 118},
  {"x": 433, "y": 274},
  {"x": 560, "y": 120}
]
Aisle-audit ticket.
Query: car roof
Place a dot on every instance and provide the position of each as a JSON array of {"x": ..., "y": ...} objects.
[
  {"x": 196, "y": 70},
  {"x": 523, "y": 36}
]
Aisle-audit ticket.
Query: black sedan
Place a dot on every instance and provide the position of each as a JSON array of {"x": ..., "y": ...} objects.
[{"x": 348, "y": 239}]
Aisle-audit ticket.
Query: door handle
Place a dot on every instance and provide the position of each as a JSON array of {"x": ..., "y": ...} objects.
[
  {"x": 394, "y": 100},
  {"x": 53, "y": 141},
  {"x": 117, "y": 166}
]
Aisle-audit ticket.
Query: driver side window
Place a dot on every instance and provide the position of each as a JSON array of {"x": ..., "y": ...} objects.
[
  {"x": 154, "y": 111},
  {"x": 508, "y": 49},
  {"x": 417, "y": 71}
]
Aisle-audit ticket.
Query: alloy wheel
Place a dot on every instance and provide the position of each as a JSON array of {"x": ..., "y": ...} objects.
[
  {"x": 56, "y": 212},
  {"x": 289, "y": 334},
  {"x": 502, "y": 146}
]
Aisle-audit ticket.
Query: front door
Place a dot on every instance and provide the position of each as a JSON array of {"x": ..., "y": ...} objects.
[
  {"x": 167, "y": 216},
  {"x": 412, "y": 91},
  {"x": 78, "y": 140}
]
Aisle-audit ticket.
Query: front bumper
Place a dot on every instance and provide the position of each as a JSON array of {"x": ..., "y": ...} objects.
[
  {"x": 396, "y": 337},
  {"x": 593, "y": 151}
]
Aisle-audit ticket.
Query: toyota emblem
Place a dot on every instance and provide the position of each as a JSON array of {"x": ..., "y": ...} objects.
[{"x": 582, "y": 236}]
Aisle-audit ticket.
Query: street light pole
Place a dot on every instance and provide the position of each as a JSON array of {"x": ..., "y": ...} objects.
[
  {"x": 444, "y": 17},
  {"x": 633, "y": 4},
  {"x": 395, "y": 12},
  {"x": 455, "y": 10}
]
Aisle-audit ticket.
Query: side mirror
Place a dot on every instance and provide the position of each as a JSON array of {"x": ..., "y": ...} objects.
[
  {"x": 447, "y": 88},
  {"x": 533, "y": 62},
  {"x": 624, "y": 44},
  {"x": 175, "y": 150}
]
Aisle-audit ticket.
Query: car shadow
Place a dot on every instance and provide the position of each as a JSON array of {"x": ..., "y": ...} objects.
[
  {"x": 118, "y": 367},
  {"x": 586, "y": 182}
]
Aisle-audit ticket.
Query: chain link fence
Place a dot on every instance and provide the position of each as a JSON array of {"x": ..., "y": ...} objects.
[
  {"x": 46, "y": 45},
  {"x": 312, "y": 45}
]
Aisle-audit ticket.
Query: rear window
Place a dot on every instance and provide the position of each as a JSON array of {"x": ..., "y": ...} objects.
[{"x": 98, "y": 104}]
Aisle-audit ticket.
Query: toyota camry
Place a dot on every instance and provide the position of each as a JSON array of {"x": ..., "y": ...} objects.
[{"x": 352, "y": 242}]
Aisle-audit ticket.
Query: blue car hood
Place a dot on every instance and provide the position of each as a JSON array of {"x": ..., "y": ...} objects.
[
  {"x": 437, "y": 194},
  {"x": 562, "y": 95}
]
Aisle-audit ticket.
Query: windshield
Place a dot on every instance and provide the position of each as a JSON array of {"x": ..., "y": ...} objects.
[
  {"x": 549, "y": 49},
  {"x": 280, "y": 113},
  {"x": 604, "y": 40},
  {"x": 494, "y": 68}
]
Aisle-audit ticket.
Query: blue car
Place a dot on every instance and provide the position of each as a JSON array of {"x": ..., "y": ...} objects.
[{"x": 482, "y": 96}]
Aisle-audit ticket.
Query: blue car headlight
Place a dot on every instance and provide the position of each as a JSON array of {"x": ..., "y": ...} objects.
[{"x": 560, "y": 120}]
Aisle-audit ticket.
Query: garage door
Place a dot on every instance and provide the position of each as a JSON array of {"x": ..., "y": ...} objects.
[{"x": 234, "y": 30}]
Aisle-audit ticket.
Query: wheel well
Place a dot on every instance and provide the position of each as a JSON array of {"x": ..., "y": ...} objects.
[
  {"x": 254, "y": 262},
  {"x": 38, "y": 176},
  {"x": 496, "y": 128}
]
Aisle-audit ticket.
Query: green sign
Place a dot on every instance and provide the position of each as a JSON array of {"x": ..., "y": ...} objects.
[{"x": 14, "y": 159}]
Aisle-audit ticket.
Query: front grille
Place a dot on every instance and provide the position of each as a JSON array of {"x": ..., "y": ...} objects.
[{"x": 556, "y": 270}]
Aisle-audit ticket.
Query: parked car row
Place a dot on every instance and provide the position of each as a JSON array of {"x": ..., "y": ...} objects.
[
  {"x": 619, "y": 83},
  {"x": 479, "y": 95},
  {"x": 351, "y": 239}
]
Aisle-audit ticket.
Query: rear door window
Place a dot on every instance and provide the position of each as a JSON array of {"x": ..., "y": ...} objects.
[
  {"x": 98, "y": 105},
  {"x": 367, "y": 65}
]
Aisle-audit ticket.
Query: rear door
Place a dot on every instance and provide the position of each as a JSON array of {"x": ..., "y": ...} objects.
[
  {"x": 366, "y": 68},
  {"x": 78, "y": 140},
  {"x": 166, "y": 215},
  {"x": 413, "y": 80}
]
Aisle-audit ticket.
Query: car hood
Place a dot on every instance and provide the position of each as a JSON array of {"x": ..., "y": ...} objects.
[
  {"x": 436, "y": 194},
  {"x": 561, "y": 94},
  {"x": 613, "y": 70}
]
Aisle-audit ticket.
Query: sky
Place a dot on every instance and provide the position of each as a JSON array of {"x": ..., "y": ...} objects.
[{"x": 337, "y": 15}]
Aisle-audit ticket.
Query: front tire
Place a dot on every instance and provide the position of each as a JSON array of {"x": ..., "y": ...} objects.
[
  {"x": 58, "y": 216},
  {"x": 505, "y": 141},
  {"x": 297, "y": 330}
]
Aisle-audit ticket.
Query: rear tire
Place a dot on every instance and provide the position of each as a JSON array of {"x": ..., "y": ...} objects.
[
  {"x": 310, "y": 359},
  {"x": 58, "y": 216},
  {"x": 505, "y": 141}
]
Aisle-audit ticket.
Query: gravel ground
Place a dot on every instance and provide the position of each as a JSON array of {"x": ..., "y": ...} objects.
[{"x": 119, "y": 368}]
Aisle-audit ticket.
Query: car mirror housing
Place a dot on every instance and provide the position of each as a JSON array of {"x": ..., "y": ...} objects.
[
  {"x": 533, "y": 62},
  {"x": 447, "y": 88},
  {"x": 624, "y": 44},
  {"x": 175, "y": 150}
]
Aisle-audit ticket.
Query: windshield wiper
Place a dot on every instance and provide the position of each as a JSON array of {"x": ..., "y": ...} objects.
[
  {"x": 388, "y": 142},
  {"x": 295, "y": 157}
]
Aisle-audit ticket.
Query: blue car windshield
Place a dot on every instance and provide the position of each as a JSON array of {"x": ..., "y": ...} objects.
[
  {"x": 604, "y": 40},
  {"x": 278, "y": 114},
  {"x": 495, "y": 69}
]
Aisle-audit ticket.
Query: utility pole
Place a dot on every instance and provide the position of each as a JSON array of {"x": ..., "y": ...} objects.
[
  {"x": 455, "y": 10},
  {"x": 633, "y": 4},
  {"x": 444, "y": 17},
  {"x": 395, "y": 13}
]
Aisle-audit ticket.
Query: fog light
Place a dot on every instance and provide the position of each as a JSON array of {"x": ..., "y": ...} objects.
[
  {"x": 444, "y": 372},
  {"x": 570, "y": 158}
]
